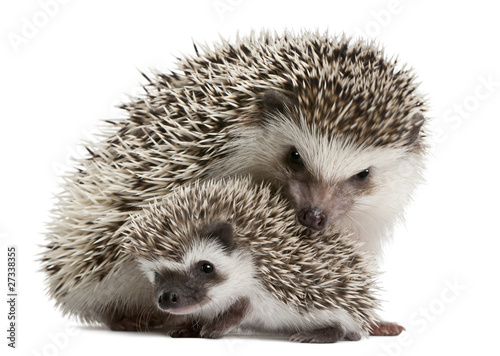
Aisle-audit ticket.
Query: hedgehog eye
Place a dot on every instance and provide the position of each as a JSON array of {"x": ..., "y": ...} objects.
[
  {"x": 207, "y": 268},
  {"x": 362, "y": 175},
  {"x": 294, "y": 157},
  {"x": 157, "y": 276}
]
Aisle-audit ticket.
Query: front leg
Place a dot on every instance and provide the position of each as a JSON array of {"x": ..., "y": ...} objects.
[
  {"x": 226, "y": 322},
  {"x": 219, "y": 326}
]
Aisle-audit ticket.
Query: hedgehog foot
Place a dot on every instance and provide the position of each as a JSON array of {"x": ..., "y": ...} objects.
[
  {"x": 190, "y": 331},
  {"x": 134, "y": 324},
  {"x": 218, "y": 327},
  {"x": 385, "y": 328},
  {"x": 325, "y": 335},
  {"x": 226, "y": 322},
  {"x": 125, "y": 324},
  {"x": 352, "y": 336}
]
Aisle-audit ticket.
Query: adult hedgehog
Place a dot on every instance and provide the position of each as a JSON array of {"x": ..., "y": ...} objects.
[{"x": 332, "y": 121}]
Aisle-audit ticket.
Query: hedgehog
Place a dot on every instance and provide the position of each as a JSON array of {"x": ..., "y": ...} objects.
[
  {"x": 335, "y": 127},
  {"x": 228, "y": 255}
]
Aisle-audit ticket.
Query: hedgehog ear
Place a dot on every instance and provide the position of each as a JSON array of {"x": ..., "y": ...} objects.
[
  {"x": 417, "y": 121},
  {"x": 272, "y": 101},
  {"x": 222, "y": 232}
]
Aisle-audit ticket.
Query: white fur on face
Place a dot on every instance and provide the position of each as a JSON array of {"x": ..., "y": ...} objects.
[
  {"x": 149, "y": 267},
  {"x": 370, "y": 213},
  {"x": 236, "y": 268},
  {"x": 330, "y": 162}
]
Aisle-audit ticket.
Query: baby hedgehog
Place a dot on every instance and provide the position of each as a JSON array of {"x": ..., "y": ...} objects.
[
  {"x": 331, "y": 121},
  {"x": 229, "y": 254}
]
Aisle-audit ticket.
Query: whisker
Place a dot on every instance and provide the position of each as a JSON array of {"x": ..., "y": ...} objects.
[{"x": 356, "y": 222}]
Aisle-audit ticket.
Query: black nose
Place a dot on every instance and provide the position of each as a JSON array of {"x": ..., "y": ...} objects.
[
  {"x": 168, "y": 300},
  {"x": 313, "y": 218}
]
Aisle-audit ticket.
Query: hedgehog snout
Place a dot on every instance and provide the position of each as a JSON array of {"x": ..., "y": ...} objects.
[
  {"x": 313, "y": 218},
  {"x": 167, "y": 300}
]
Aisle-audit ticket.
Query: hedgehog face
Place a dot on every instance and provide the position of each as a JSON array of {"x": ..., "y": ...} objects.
[
  {"x": 327, "y": 179},
  {"x": 340, "y": 182},
  {"x": 203, "y": 281},
  {"x": 182, "y": 288},
  {"x": 330, "y": 178},
  {"x": 318, "y": 200}
]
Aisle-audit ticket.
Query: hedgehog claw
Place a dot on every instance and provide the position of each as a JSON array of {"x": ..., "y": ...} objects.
[
  {"x": 192, "y": 332},
  {"x": 188, "y": 332},
  {"x": 214, "y": 334}
]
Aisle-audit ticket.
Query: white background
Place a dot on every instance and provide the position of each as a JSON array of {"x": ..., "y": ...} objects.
[{"x": 63, "y": 68}]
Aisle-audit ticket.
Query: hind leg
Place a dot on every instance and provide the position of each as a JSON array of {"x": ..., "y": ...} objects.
[
  {"x": 326, "y": 335},
  {"x": 143, "y": 323},
  {"x": 385, "y": 328},
  {"x": 155, "y": 321},
  {"x": 126, "y": 324}
]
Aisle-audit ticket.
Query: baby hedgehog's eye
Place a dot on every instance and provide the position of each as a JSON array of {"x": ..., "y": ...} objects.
[
  {"x": 294, "y": 156},
  {"x": 207, "y": 268},
  {"x": 362, "y": 175},
  {"x": 157, "y": 276}
]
